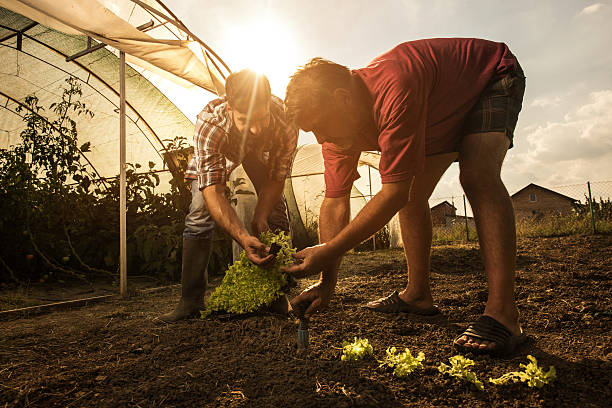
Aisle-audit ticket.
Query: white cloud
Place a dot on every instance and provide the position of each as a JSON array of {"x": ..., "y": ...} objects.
[
  {"x": 546, "y": 102},
  {"x": 592, "y": 9},
  {"x": 584, "y": 133},
  {"x": 576, "y": 148}
]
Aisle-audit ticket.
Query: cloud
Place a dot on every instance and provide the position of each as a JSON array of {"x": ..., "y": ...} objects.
[
  {"x": 592, "y": 9},
  {"x": 546, "y": 102},
  {"x": 584, "y": 133},
  {"x": 573, "y": 149}
]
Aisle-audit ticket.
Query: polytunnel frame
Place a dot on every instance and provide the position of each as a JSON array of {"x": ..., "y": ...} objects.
[
  {"x": 368, "y": 158},
  {"x": 90, "y": 74},
  {"x": 122, "y": 104}
]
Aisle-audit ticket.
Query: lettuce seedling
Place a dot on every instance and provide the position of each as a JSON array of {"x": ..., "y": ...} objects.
[
  {"x": 246, "y": 286},
  {"x": 533, "y": 375},
  {"x": 356, "y": 350},
  {"x": 404, "y": 363},
  {"x": 459, "y": 368}
]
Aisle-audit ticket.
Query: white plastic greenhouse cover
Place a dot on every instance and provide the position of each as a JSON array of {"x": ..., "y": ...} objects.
[
  {"x": 132, "y": 126},
  {"x": 33, "y": 62},
  {"x": 100, "y": 19}
]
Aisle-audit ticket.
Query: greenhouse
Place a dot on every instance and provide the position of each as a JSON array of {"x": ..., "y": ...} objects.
[{"x": 51, "y": 52}]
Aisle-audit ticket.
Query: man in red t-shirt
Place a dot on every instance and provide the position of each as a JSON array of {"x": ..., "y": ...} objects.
[{"x": 423, "y": 105}]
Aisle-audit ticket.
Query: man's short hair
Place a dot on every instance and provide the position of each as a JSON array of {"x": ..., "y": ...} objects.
[
  {"x": 311, "y": 88},
  {"x": 245, "y": 89}
]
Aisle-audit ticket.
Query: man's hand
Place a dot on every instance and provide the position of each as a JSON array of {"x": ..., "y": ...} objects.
[
  {"x": 259, "y": 225},
  {"x": 310, "y": 261},
  {"x": 316, "y": 298},
  {"x": 256, "y": 251}
]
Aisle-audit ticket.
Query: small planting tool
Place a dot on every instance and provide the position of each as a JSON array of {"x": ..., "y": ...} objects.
[{"x": 302, "y": 334}]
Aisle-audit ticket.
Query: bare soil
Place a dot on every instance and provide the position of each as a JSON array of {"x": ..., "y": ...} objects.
[{"x": 114, "y": 354}]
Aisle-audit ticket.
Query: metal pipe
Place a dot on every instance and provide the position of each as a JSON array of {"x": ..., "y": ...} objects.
[{"x": 122, "y": 181}]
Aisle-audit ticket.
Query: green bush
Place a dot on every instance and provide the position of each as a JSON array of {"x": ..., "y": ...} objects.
[{"x": 57, "y": 215}]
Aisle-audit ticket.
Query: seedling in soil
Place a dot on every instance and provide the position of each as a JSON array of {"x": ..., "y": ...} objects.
[
  {"x": 459, "y": 368},
  {"x": 533, "y": 375},
  {"x": 356, "y": 350},
  {"x": 403, "y": 364}
]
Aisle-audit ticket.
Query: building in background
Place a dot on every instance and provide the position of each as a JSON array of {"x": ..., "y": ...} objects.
[
  {"x": 534, "y": 201},
  {"x": 443, "y": 214}
]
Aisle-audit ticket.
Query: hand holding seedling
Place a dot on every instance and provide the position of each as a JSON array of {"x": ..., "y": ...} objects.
[
  {"x": 311, "y": 261},
  {"x": 256, "y": 251},
  {"x": 316, "y": 298}
]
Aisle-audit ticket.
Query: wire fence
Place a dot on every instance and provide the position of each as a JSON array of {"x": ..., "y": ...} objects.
[{"x": 584, "y": 208}]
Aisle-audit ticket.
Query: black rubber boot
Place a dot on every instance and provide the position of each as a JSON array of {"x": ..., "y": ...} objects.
[{"x": 194, "y": 280}]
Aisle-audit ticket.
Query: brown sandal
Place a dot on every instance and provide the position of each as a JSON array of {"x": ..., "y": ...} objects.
[
  {"x": 394, "y": 304},
  {"x": 489, "y": 329}
]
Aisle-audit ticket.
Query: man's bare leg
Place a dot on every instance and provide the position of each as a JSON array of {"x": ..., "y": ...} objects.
[
  {"x": 480, "y": 160},
  {"x": 415, "y": 225}
]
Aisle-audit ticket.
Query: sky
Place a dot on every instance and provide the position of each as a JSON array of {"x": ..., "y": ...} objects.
[{"x": 564, "y": 133}]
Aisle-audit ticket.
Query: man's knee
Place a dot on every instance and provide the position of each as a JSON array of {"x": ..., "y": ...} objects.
[
  {"x": 198, "y": 222},
  {"x": 475, "y": 182}
]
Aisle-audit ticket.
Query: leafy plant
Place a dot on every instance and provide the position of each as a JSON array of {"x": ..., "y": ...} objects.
[
  {"x": 356, "y": 350},
  {"x": 246, "y": 286},
  {"x": 59, "y": 219},
  {"x": 533, "y": 375},
  {"x": 403, "y": 363},
  {"x": 159, "y": 247},
  {"x": 459, "y": 369}
]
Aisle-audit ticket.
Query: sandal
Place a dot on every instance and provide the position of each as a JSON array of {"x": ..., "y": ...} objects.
[
  {"x": 394, "y": 304},
  {"x": 489, "y": 329}
]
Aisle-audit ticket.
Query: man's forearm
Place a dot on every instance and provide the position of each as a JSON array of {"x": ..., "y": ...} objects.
[
  {"x": 333, "y": 217},
  {"x": 267, "y": 198},
  {"x": 222, "y": 212},
  {"x": 376, "y": 213}
]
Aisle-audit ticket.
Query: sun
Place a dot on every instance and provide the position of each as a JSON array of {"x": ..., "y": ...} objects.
[{"x": 265, "y": 45}]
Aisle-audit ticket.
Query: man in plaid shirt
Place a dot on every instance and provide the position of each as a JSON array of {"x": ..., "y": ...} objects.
[{"x": 246, "y": 127}]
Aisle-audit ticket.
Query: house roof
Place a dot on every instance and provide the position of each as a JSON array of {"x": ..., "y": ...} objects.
[
  {"x": 442, "y": 203},
  {"x": 544, "y": 189}
]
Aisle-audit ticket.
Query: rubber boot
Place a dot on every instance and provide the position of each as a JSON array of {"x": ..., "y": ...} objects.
[{"x": 194, "y": 280}]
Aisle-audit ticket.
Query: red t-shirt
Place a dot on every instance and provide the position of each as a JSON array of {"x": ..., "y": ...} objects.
[{"x": 421, "y": 92}]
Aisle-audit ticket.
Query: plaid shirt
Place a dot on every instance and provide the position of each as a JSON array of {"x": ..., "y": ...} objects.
[{"x": 219, "y": 148}]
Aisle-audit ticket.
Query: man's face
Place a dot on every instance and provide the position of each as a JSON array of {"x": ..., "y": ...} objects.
[
  {"x": 336, "y": 123},
  {"x": 255, "y": 123}
]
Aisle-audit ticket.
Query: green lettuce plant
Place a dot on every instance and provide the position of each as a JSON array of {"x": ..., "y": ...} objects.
[
  {"x": 532, "y": 374},
  {"x": 459, "y": 368},
  {"x": 246, "y": 287},
  {"x": 356, "y": 350},
  {"x": 403, "y": 363}
]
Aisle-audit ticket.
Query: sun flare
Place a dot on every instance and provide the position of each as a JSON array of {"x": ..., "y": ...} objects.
[{"x": 264, "y": 45}]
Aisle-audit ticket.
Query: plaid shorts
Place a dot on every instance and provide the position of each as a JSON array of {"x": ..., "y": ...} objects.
[{"x": 498, "y": 107}]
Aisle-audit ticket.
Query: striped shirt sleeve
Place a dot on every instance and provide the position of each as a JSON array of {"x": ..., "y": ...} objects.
[{"x": 209, "y": 137}]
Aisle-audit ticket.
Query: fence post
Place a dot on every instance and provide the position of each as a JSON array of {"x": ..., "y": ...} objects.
[
  {"x": 467, "y": 228},
  {"x": 591, "y": 207}
]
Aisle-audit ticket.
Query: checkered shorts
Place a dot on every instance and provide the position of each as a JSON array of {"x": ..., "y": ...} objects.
[{"x": 498, "y": 107}]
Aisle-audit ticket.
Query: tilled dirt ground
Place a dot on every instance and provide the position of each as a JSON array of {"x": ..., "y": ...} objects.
[{"x": 115, "y": 355}]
